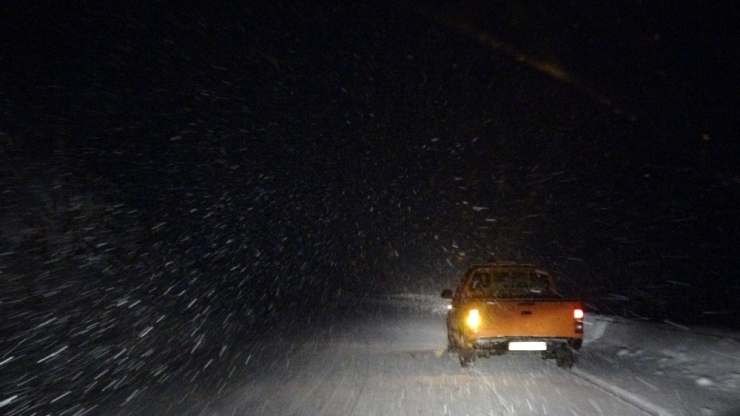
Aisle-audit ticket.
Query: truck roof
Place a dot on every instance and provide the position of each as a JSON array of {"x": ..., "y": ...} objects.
[
  {"x": 505, "y": 265},
  {"x": 501, "y": 264}
]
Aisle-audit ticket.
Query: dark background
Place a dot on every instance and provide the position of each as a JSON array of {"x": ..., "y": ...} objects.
[
  {"x": 173, "y": 176},
  {"x": 374, "y": 147}
]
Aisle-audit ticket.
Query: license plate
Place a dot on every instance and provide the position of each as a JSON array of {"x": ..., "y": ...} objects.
[{"x": 527, "y": 346}]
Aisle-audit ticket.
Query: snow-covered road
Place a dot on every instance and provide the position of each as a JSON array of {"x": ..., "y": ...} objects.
[
  {"x": 384, "y": 356},
  {"x": 393, "y": 362}
]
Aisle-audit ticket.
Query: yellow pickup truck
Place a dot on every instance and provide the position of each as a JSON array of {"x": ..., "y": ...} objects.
[{"x": 502, "y": 307}]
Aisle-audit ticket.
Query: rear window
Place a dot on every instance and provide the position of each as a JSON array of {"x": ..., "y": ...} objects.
[{"x": 508, "y": 283}]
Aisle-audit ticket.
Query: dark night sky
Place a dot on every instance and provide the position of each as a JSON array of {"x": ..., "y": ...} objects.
[
  {"x": 173, "y": 181},
  {"x": 279, "y": 149}
]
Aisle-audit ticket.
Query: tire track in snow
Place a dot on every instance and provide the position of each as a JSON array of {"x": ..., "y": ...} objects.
[
  {"x": 501, "y": 399},
  {"x": 631, "y": 398},
  {"x": 365, "y": 376}
]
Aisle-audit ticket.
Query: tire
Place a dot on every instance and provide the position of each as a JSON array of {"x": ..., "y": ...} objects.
[
  {"x": 451, "y": 346},
  {"x": 467, "y": 357},
  {"x": 565, "y": 357}
]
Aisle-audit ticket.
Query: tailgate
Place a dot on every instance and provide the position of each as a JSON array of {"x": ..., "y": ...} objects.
[{"x": 528, "y": 318}]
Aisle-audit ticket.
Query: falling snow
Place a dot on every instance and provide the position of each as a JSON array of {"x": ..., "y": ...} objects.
[{"x": 195, "y": 202}]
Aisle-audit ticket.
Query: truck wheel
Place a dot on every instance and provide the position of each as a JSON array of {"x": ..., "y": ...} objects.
[
  {"x": 451, "y": 346},
  {"x": 564, "y": 357},
  {"x": 467, "y": 357}
]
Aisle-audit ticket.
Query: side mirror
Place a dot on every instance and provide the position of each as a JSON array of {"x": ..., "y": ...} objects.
[{"x": 447, "y": 294}]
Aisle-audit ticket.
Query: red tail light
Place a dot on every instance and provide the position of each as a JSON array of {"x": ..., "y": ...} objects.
[{"x": 578, "y": 316}]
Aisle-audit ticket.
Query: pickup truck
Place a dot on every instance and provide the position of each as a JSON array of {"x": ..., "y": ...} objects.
[{"x": 498, "y": 308}]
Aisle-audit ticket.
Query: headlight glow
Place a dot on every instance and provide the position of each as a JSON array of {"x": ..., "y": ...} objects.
[{"x": 473, "y": 319}]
